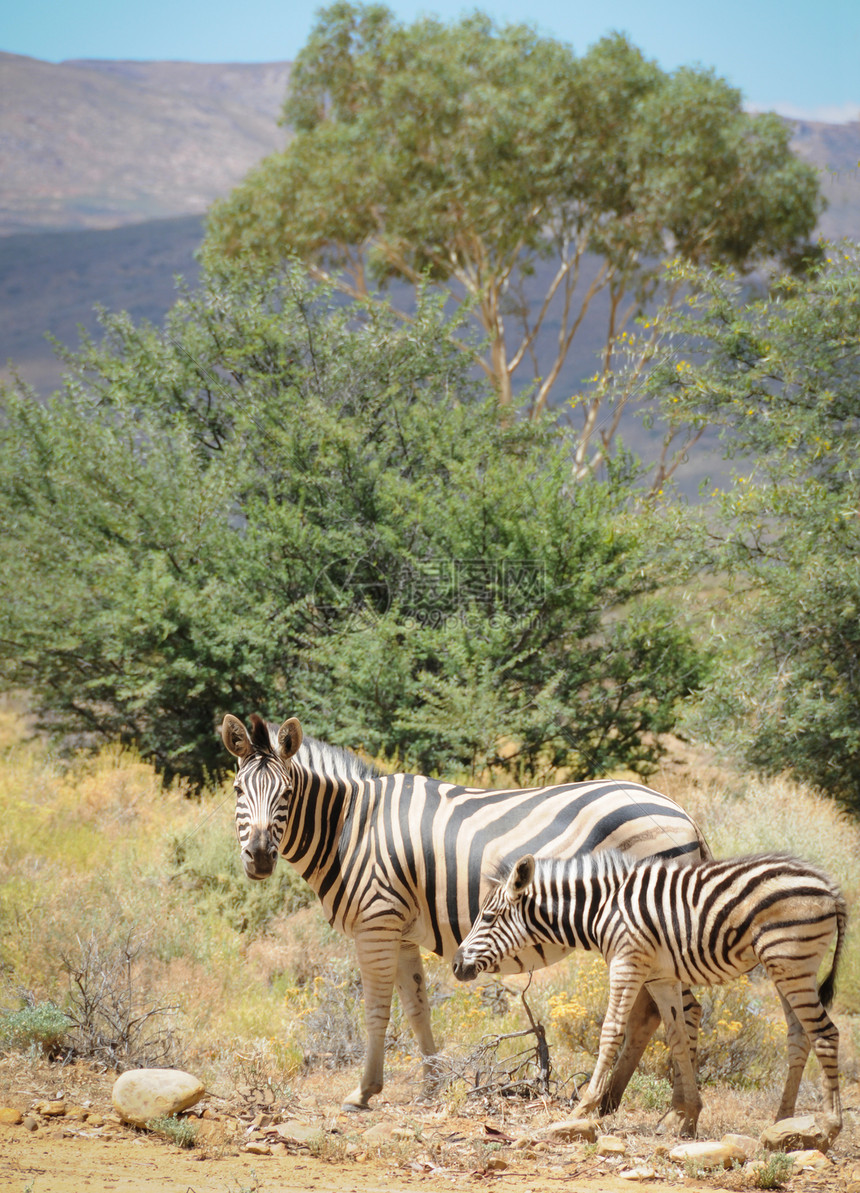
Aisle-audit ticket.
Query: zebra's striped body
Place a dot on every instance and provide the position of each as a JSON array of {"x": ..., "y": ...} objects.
[
  {"x": 397, "y": 860},
  {"x": 664, "y": 925}
]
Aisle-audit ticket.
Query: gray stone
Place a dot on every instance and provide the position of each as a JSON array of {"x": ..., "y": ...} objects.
[
  {"x": 143, "y": 1094},
  {"x": 298, "y": 1133},
  {"x": 792, "y": 1134},
  {"x": 378, "y": 1133},
  {"x": 707, "y": 1154}
]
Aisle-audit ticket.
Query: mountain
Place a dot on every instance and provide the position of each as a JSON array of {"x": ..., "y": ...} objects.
[{"x": 87, "y": 144}]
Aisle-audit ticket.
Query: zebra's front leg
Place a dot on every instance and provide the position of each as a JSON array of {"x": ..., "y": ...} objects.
[
  {"x": 624, "y": 987},
  {"x": 412, "y": 989},
  {"x": 377, "y": 951},
  {"x": 686, "y": 1100}
]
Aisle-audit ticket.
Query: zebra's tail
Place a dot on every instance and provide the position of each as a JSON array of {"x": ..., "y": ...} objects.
[
  {"x": 704, "y": 848},
  {"x": 828, "y": 987}
]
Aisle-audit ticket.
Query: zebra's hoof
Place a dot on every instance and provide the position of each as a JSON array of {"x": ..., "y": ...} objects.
[
  {"x": 354, "y": 1107},
  {"x": 678, "y": 1122}
]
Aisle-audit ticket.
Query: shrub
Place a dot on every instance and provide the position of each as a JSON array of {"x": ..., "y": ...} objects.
[
  {"x": 41, "y": 1025},
  {"x": 180, "y": 1131},
  {"x": 270, "y": 503},
  {"x": 207, "y": 865},
  {"x": 773, "y": 1172}
]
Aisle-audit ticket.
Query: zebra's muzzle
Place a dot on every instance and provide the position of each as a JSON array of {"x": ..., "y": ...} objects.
[
  {"x": 260, "y": 855},
  {"x": 465, "y": 970}
]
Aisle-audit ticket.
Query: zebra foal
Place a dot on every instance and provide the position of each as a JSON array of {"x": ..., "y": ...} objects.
[
  {"x": 660, "y": 925},
  {"x": 397, "y": 862}
]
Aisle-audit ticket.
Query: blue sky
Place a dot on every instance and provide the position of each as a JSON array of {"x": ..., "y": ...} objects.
[{"x": 800, "y": 57}]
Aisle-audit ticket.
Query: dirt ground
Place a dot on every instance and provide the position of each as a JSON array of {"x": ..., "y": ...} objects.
[{"x": 70, "y": 1141}]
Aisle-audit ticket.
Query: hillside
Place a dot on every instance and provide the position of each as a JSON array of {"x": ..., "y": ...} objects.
[{"x": 97, "y": 144}]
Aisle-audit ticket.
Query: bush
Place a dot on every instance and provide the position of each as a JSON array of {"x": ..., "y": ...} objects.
[
  {"x": 39, "y": 1025},
  {"x": 180, "y": 1131},
  {"x": 269, "y": 504}
]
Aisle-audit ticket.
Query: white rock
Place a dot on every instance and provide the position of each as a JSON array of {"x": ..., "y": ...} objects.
[
  {"x": 570, "y": 1130},
  {"x": 142, "y": 1094},
  {"x": 708, "y": 1154},
  {"x": 746, "y": 1143},
  {"x": 611, "y": 1145},
  {"x": 642, "y": 1172},
  {"x": 810, "y": 1158}
]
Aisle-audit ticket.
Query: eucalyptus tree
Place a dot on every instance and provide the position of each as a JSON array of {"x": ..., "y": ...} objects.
[{"x": 533, "y": 185}]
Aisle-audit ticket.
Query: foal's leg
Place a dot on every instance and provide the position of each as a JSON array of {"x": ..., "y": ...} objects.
[
  {"x": 798, "y": 1050},
  {"x": 643, "y": 1022},
  {"x": 801, "y": 993},
  {"x": 686, "y": 1109},
  {"x": 625, "y": 982}
]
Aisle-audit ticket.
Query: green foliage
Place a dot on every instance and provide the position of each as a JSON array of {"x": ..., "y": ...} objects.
[
  {"x": 42, "y": 1025},
  {"x": 271, "y": 506},
  {"x": 779, "y": 375},
  {"x": 181, "y": 1131},
  {"x": 468, "y": 154},
  {"x": 773, "y": 1172}
]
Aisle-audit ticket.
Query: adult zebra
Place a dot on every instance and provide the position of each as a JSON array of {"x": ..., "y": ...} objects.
[
  {"x": 397, "y": 862},
  {"x": 661, "y": 924}
]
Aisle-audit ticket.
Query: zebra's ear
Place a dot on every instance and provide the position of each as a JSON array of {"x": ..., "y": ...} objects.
[
  {"x": 235, "y": 736},
  {"x": 520, "y": 877},
  {"x": 289, "y": 738}
]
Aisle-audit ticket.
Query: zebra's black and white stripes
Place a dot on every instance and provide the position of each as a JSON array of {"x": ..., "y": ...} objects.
[
  {"x": 397, "y": 861},
  {"x": 665, "y": 925}
]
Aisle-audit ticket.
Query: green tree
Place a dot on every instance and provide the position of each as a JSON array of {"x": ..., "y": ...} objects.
[
  {"x": 267, "y": 506},
  {"x": 781, "y": 376},
  {"x": 532, "y": 185}
]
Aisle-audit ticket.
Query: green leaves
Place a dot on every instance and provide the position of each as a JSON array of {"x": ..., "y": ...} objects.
[
  {"x": 274, "y": 505},
  {"x": 780, "y": 376}
]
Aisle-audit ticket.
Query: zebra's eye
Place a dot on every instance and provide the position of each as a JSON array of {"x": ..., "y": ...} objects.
[{"x": 488, "y": 917}]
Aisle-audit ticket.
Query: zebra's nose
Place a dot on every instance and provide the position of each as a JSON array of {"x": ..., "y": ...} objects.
[
  {"x": 464, "y": 970},
  {"x": 260, "y": 855}
]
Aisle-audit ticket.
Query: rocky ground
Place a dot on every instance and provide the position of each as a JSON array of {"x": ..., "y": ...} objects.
[{"x": 61, "y": 1134}]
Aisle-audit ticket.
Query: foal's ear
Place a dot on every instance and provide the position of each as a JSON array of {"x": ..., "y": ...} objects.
[
  {"x": 289, "y": 738},
  {"x": 235, "y": 736},
  {"x": 520, "y": 877}
]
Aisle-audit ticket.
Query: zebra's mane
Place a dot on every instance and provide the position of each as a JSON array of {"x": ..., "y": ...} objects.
[
  {"x": 335, "y": 762},
  {"x": 585, "y": 864},
  {"x": 318, "y": 757}
]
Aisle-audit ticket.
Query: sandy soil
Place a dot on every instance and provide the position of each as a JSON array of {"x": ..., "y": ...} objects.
[{"x": 399, "y": 1147}]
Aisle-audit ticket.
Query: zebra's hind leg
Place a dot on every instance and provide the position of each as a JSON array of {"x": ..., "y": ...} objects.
[
  {"x": 412, "y": 989},
  {"x": 686, "y": 1099},
  {"x": 643, "y": 1022},
  {"x": 799, "y": 1045},
  {"x": 801, "y": 993}
]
